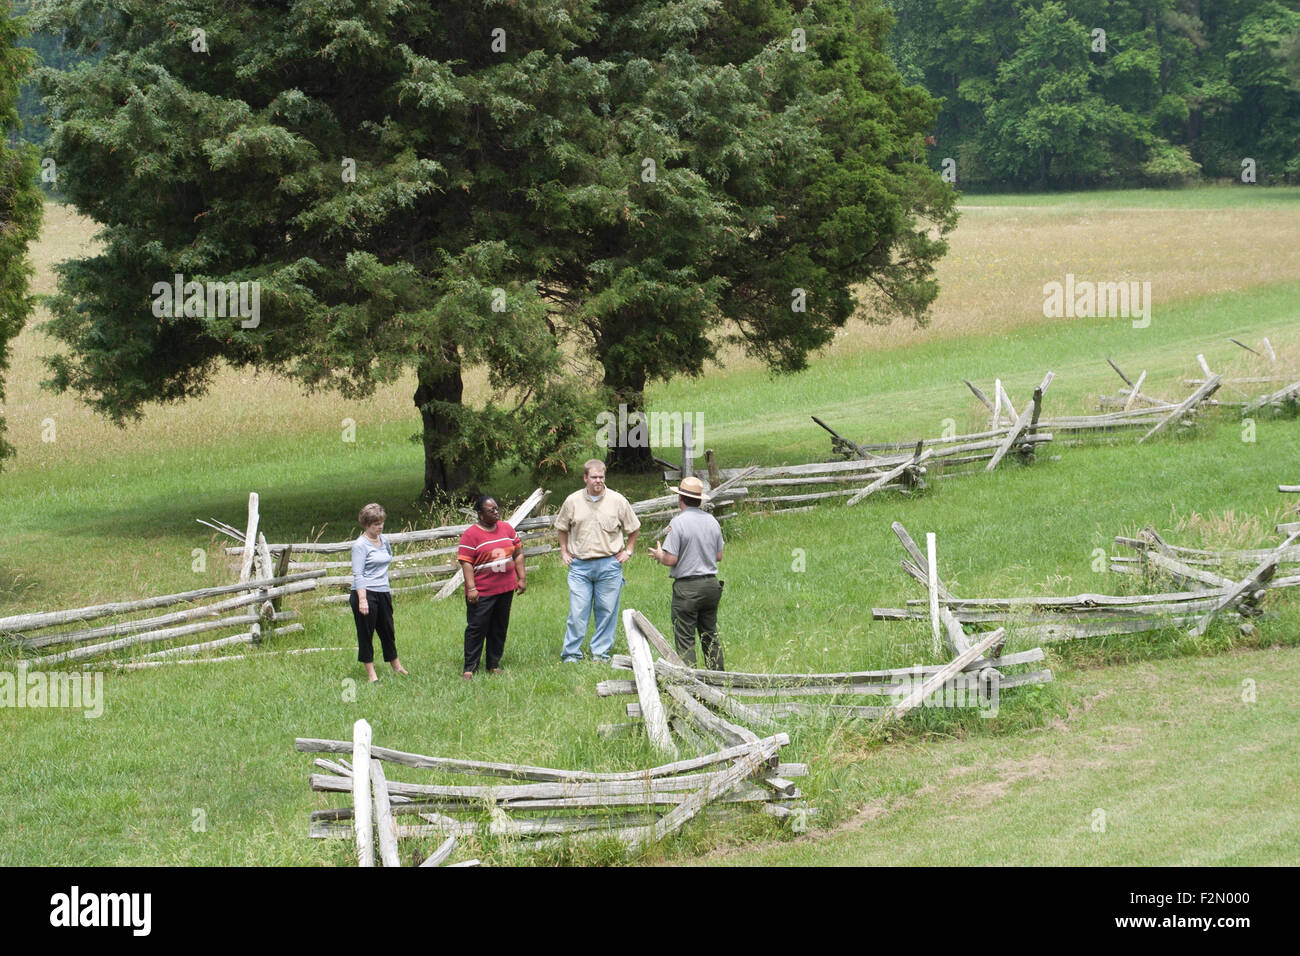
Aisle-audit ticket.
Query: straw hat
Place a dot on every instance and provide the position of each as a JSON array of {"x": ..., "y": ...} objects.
[{"x": 691, "y": 487}]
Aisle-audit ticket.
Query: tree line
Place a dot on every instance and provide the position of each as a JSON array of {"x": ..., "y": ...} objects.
[{"x": 1107, "y": 92}]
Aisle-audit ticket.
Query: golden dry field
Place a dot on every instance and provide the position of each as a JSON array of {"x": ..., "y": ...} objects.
[{"x": 991, "y": 283}]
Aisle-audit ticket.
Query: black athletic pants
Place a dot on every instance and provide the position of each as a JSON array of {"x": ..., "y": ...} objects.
[
  {"x": 379, "y": 619},
  {"x": 487, "y": 621}
]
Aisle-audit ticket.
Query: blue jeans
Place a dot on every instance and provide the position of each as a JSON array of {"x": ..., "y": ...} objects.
[{"x": 595, "y": 582}]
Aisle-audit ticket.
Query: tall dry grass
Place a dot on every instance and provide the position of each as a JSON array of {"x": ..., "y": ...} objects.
[
  {"x": 991, "y": 283},
  {"x": 992, "y": 279}
]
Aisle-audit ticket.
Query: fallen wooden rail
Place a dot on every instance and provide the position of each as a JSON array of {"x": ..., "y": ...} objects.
[{"x": 637, "y": 807}]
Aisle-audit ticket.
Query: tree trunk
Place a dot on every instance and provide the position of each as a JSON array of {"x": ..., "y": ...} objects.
[
  {"x": 628, "y": 386},
  {"x": 440, "y": 381}
]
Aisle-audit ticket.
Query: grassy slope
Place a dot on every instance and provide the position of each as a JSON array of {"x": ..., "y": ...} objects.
[
  {"x": 1183, "y": 770},
  {"x": 88, "y": 521}
]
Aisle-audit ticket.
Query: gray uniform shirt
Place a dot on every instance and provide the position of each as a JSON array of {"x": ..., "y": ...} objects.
[{"x": 696, "y": 538}]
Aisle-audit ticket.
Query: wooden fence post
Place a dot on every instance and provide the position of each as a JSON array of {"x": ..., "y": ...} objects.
[
  {"x": 361, "y": 819},
  {"x": 250, "y": 539},
  {"x": 384, "y": 816},
  {"x": 688, "y": 443},
  {"x": 281, "y": 569},
  {"x": 652, "y": 709},
  {"x": 715, "y": 476},
  {"x": 932, "y": 572}
]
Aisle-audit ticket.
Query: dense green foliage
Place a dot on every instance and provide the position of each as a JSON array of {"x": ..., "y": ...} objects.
[
  {"x": 20, "y": 204},
  {"x": 618, "y": 179},
  {"x": 50, "y": 52},
  {"x": 1183, "y": 88},
  {"x": 1039, "y": 92}
]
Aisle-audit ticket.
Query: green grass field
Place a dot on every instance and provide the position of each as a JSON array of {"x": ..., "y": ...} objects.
[
  {"x": 99, "y": 514},
  {"x": 1158, "y": 764}
]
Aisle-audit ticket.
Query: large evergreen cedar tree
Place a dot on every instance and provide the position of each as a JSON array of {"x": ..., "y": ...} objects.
[
  {"x": 486, "y": 180},
  {"x": 20, "y": 204}
]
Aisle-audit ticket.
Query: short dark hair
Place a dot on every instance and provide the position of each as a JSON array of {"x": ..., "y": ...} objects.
[{"x": 482, "y": 500}]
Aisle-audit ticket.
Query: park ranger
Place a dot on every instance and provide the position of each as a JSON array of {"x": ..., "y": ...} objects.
[{"x": 691, "y": 552}]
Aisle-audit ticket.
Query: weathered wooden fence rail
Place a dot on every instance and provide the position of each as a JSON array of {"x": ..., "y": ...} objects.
[
  {"x": 637, "y": 807},
  {"x": 1206, "y": 594},
  {"x": 255, "y": 601},
  {"x": 436, "y": 568}
]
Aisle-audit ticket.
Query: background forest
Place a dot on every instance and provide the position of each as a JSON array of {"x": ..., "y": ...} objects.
[{"x": 1072, "y": 94}]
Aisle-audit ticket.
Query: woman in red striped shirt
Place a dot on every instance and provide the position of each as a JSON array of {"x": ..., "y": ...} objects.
[{"x": 492, "y": 557}]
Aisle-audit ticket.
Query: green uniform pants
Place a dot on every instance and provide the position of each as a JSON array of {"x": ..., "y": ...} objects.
[{"x": 695, "y": 606}]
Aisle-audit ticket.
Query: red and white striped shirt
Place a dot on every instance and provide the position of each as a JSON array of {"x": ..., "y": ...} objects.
[{"x": 492, "y": 554}]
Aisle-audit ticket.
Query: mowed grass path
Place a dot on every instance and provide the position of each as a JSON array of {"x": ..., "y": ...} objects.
[
  {"x": 1163, "y": 763},
  {"x": 100, "y": 515}
]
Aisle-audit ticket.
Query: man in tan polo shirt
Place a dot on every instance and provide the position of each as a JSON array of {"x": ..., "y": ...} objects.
[{"x": 591, "y": 525}]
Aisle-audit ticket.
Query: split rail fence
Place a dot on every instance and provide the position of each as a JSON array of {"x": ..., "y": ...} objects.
[
  {"x": 432, "y": 561},
  {"x": 530, "y": 806},
  {"x": 1211, "y": 595},
  {"x": 896, "y": 466},
  {"x": 743, "y": 703},
  {"x": 862, "y": 469},
  {"x": 251, "y": 607},
  {"x": 1256, "y": 391}
]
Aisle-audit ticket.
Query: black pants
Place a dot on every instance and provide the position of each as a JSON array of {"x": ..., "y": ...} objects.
[
  {"x": 487, "y": 621},
  {"x": 379, "y": 619},
  {"x": 695, "y": 607}
]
